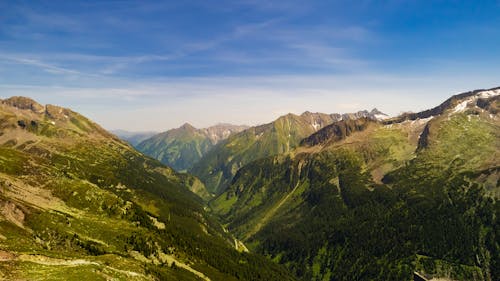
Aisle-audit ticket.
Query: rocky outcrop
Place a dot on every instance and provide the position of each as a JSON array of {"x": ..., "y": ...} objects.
[
  {"x": 423, "y": 140},
  {"x": 491, "y": 104},
  {"x": 374, "y": 114},
  {"x": 12, "y": 212},
  {"x": 337, "y": 131},
  {"x": 222, "y": 131},
  {"x": 46, "y": 120},
  {"x": 24, "y": 103}
]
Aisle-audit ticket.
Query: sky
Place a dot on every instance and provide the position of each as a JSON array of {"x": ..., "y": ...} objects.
[{"x": 154, "y": 65}]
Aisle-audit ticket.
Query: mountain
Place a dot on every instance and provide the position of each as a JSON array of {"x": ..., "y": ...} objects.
[
  {"x": 219, "y": 165},
  {"x": 77, "y": 203},
  {"x": 221, "y": 131},
  {"x": 380, "y": 200},
  {"x": 183, "y": 147},
  {"x": 134, "y": 138}
]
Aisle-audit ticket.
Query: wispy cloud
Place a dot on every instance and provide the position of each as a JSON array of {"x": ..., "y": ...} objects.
[
  {"x": 169, "y": 61},
  {"x": 50, "y": 68},
  {"x": 168, "y": 102}
]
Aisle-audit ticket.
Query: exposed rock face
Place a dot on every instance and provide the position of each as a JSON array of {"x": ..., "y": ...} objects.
[
  {"x": 57, "y": 112},
  {"x": 12, "y": 213},
  {"x": 320, "y": 120},
  {"x": 374, "y": 114},
  {"x": 337, "y": 131},
  {"x": 24, "y": 103},
  {"x": 40, "y": 119},
  {"x": 51, "y": 111},
  {"x": 423, "y": 140},
  {"x": 222, "y": 131},
  {"x": 491, "y": 104}
]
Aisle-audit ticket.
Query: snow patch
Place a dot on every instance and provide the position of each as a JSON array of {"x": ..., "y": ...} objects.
[
  {"x": 461, "y": 106},
  {"x": 316, "y": 125},
  {"x": 484, "y": 94},
  {"x": 381, "y": 116},
  {"x": 425, "y": 120},
  {"x": 422, "y": 121},
  {"x": 489, "y": 94},
  {"x": 415, "y": 123}
]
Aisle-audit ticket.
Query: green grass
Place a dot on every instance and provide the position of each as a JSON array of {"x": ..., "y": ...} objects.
[
  {"x": 217, "y": 168},
  {"x": 344, "y": 224},
  {"x": 12, "y": 162}
]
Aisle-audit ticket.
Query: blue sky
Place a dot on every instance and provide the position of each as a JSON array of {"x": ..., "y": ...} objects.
[{"x": 153, "y": 65}]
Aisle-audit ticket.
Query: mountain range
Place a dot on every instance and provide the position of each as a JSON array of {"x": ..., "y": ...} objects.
[
  {"x": 218, "y": 167},
  {"x": 359, "y": 196},
  {"x": 181, "y": 148},
  {"x": 206, "y": 152},
  {"x": 379, "y": 200}
]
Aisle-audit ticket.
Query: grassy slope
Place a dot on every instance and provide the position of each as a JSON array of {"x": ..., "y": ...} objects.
[
  {"x": 178, "y": 148},
  {"x": 337, "y": 221},
  {"x": 273, "y": 178},
  {"x": 217, "y": 168},
  {"x": 76, "y": 203}
]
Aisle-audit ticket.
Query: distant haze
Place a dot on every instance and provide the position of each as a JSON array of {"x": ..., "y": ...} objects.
[{"x": 149, "y": 66}]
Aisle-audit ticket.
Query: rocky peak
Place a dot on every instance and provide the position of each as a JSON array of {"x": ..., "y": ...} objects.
[
  {"x": 222, "y": 131},
  {"x": 377, "y": 114},
  {"x": 57, "y": 112},
  {"x": 24, "y": 103},
  {"x": 187, "y": 126},
  {"x": 374, "y": 114}
]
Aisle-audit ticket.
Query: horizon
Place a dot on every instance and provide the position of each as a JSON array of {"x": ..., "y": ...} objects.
[{"x": 152, "y": 66}]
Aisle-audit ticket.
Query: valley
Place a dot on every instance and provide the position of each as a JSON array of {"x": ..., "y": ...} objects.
[
  {"x": 249, "y": 140},
  {"x": 76, "y": 202},
  {"x": 309, "y": 197}
]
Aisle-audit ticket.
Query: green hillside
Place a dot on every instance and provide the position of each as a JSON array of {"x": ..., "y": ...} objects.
[
  {"x": 78, "y": 204},
  {"x": 183, "y": 147},
  {"x": 414, "y": 194},
  {"x": 217, "y": 168},
  {"x": 177, "y": 148}
]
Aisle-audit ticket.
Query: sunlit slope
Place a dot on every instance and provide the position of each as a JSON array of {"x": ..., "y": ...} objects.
[
  {"x": 183, "y": 147},
  {"x": 78, "y": 204},
  {"x": 380, "y": 200},
  {"x": 219, "y": 165}
]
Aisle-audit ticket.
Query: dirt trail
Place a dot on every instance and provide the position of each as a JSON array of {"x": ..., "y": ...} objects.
[
  {"x": 40, "y": 259},
  {"x": 44, "y": 260}
]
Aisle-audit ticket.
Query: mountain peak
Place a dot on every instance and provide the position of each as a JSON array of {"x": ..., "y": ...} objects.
[
  {"x": 24, "y": 103},
  {"x": 378, "y": 115},
  {"x": 187, "y": 126},
  {"x": 454, "y": 104}
]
